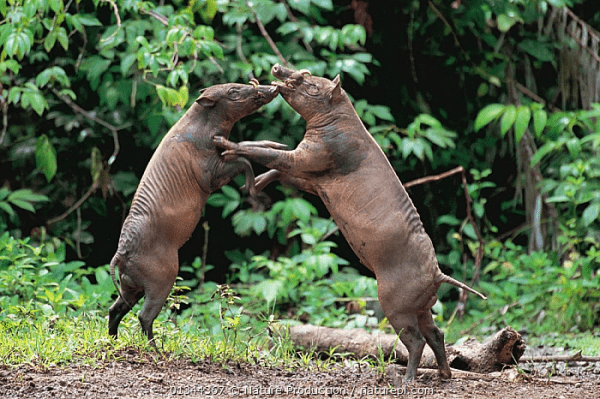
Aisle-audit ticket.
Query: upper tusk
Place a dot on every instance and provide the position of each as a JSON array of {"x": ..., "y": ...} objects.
[
  {"x": 305, "y": 72},
  {"x": 254, "y": 82}
]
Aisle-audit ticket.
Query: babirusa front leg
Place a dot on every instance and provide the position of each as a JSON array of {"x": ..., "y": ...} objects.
[{"x": 267, "y": 156}]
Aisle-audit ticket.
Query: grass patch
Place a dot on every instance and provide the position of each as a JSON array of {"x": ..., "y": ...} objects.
[
  {"x": 587, "y": 343},
  {"x": 47, "y": 341}
]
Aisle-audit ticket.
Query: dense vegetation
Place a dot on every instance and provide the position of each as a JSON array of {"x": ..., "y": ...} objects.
[{"x": 502, "y": 88}]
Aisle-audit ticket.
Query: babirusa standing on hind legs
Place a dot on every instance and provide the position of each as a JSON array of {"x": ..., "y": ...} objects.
[
  {"x": 339, "y": 161},
  {"x": 184, "y": 170}
]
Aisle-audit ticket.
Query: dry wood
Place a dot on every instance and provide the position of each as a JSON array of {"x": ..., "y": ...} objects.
[
  {"x": 575, "y": 357},
  {"x": 504, "y": 347}
]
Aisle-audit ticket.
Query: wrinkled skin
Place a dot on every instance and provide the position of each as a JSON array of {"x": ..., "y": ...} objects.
[
  {"x": 339, "y": 161},
  {"x": 184, "y": 170}
]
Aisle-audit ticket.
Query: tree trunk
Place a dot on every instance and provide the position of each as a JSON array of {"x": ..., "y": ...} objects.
[{"x": 504, "y": 347}]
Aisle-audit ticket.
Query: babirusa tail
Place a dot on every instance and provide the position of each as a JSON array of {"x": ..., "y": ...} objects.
[
  {"x": 115, "y": 260},
  {"x": 447, "y": 279}
]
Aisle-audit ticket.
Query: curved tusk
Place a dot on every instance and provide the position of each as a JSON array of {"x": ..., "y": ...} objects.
[
  {"x": 305, "y": 72},
  {"x": 254, "y": 82}
]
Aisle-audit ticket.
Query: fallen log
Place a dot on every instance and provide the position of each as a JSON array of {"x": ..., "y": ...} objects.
[
  {"x": 575, "y": 357},
  {"x": 503, "y": 348}
]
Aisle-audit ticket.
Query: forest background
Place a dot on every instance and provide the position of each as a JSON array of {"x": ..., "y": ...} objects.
[{"x": 507, "y": 90}]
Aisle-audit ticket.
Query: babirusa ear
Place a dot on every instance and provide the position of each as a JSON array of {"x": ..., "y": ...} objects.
[
  {"x": 206, "y": 100},
  {"x": 336, "y": 92}
]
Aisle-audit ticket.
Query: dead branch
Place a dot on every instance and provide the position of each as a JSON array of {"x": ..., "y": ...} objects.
[
  {"x": 293, "y": 18},
  {"x": 206, "y": 228},
  {"x": 76, "y": 205},
  {"x": 575, "y": 357},
  {"x": 504, "y": 347},
  {"x": 240, "y": 52},
  {"x": 428, "y": 179},
  {"x": 114, "y": 130},
  {"x": 265, "y": 34},
  {"x": 535, "y": 97}
]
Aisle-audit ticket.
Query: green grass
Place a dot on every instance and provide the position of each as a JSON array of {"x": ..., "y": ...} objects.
[
  {"x": 45, "y": 342},
  {"x": 588, "y": 343}
]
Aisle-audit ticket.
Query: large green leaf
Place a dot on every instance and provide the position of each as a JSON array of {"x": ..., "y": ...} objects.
[
  {"x": 488, "y": 114},
  {"x": 539, "y": 121},
  {"x": 508, "y": 119},
  {"x": 522, "y": 121},
  {"x": 591, "y": 213},
  {"x": 45, "y": 157}
]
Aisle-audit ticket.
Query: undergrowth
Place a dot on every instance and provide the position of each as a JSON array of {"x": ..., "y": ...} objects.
[{"x": 54, "y": 312}]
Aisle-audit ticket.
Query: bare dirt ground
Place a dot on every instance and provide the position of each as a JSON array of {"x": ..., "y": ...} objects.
[{"x": 139, "y": 376}]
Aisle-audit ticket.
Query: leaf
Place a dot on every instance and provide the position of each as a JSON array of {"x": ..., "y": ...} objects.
[
  {"x": 26, "y": 194},
  {"x": 54, "y": 73},
  {"x": 23, "y": 205},
  {"x": 45, "y": 157},
  {"x": 217, "y": 200},
  {"x": 382, "y": 112},
  {"x": 10, "y": 64},
  {"x": 542, "y": 152},
  {"x": 301, "y": 5},
  {"x": 32, "y": 97},
  {"x": 56, "y": 5},
  {"x": 488, "y": 114},
  {"x": 449, "y": 220},
  {"x": 63, "y": 38},
  {"x": 229, "y": 207},
  {"x": 508, "y": 119},
  {"x": 591, "y": 213},
  {"x": 269, "y": 289},
  {"x": 231, "y": 193},
  {"x": 469, "y": 231},
  {"x": 541, "y": 51},
  {"x": 183, "y": 96},
  {"x": 428, "y": 120},
  {"x": 94, "y": 67},
  {"x": 326, "y": 4},
  {"x": 209, "y": 10},
  {"x": 6, "y": 208},
  {"x": 87, "y": 19},
  {"x": 539, "y": 121},
  {"x": 126, "y": 63},
  {"x": 522, "y": 121},
  {"x": 259, "y": 223},
  {"x": 50, "y": 40},
  {"x": 505, "y": 22},
  {"x": 287, "y": 28}
]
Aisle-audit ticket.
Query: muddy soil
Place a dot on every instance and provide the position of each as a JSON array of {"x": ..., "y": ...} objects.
[{"x": 141, "y": 376}]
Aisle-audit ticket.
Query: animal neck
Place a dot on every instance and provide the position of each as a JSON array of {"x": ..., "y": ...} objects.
[{"x": 199, "y": 124}]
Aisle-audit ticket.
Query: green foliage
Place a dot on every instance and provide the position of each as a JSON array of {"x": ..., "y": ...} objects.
[
  {"x": 511, "y": 116},
  {"x": 79, "y": 81},
  {"x": 37, "y": 279},
  {"x": 565, "y": 298},
  {"x": 418, "y": 139},
  {"x": 23, "y": 198}
]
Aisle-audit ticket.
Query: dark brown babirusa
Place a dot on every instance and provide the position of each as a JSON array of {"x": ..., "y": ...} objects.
[
  {"x": 340, "y": 162},
  {"x": 184, "y": 170}
]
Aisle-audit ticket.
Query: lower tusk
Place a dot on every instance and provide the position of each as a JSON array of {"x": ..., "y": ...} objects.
[{"x": 254, "y": 82}]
